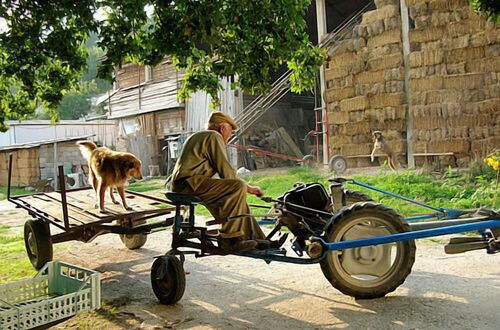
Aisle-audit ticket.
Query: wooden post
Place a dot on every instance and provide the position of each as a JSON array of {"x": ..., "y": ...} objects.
[
  {"x": 62, "y": 185},
  {"x": 10, "y": 176},
  {"x": 321, "y": 25},
  {"x": 405, "y": 31}
]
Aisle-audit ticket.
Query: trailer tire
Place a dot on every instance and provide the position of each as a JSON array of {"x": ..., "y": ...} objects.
[
  {"x": 337, "y": 164},
  {"x": 335, "y": 265},
  {"x": 134, "y": 241},
  {"x": 38, "y": 242},
  {"x": 168, "y": 279}
]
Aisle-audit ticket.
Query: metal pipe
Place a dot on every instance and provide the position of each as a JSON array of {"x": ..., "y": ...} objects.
[
  {"x": 62, "y": 185},
  {"x": 408, "y": 236},
  {"x": 396, "y": 196},
  {"x": 10, "y": 176},
  {"x": 444, "y": 223}
]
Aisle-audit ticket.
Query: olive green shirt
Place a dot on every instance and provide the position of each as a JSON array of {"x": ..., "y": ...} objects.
[{"x": 203, "y": 155}]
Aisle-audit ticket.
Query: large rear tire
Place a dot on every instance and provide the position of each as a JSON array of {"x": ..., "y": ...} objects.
[
  {"x": 38, "y": 242},
  {"x": 372, "y": 271},
  {"x": 168, "y": 279},
  {"x": 353, "y": 196}
]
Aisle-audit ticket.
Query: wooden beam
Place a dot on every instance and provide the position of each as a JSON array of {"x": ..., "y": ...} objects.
[{"x": 321, "y": 26}]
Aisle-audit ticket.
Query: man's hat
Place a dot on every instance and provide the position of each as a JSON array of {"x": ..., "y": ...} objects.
[{"x": 218, "y": 117}]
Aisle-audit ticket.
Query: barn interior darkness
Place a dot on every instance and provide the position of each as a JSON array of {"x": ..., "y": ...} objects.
[{"x": 295, "y": 113}]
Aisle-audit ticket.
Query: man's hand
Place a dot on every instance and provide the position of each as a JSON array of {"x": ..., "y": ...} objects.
[{"x": 254, "y": 190}]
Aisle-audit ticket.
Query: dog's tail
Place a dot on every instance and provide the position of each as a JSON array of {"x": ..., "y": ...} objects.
[{"x": 86, "y": 148}]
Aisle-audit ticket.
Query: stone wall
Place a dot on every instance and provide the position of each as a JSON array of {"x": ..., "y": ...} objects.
[
  {"x": 68, "y": 155},
  {"x": 454, "y": 80},
  {"x": 453, "y": 92}
]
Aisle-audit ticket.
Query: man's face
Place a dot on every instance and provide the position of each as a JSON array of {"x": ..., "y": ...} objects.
[{"x": 226, "y": 130}]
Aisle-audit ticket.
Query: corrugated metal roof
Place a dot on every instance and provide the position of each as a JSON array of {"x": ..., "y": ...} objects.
[
  {"x": 40, "y": 143},
  {"x": 154, "y": 97}
]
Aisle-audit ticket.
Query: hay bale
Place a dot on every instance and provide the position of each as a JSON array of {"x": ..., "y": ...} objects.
[
  {"x": 394, "y": 86},
  {"x": 443, "y": 96},
  {"x": 425, "y": 58},
  {"x": 447, "y": 5},
  {"x": 355, "y": 103},
  {"x": 426, "y": 35},
  {"x": 356, "y": 128},
  {"x": 386, "y": 62},
  {"x": 426, "y": 84},
  {"x": 478, "y": 39},
  {"x": 382, "y": 13},
  {"x": 393, "y": 74},
  {"x": 483, "y": 65},
  {"x": 335, "y": 72},
  {"x": 356, "y": 149},
  {"x": 464, "y": 81},
  {"x": 456, "y": 68},
  {"x": 342, "y": 59},
  {"x": 459, "y": 42},
  {"x": 369, "y": 77},
  {"x": 385, "y": 100},
  {"x": 336, "y": 118},
  {"x": 388, "y": 37},
  {"x": 381, "y": 3},
  {"x": 333, "y": 95},
  {"x": 464, "y": 54}
]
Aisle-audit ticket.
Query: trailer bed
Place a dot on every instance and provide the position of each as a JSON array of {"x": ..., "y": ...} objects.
[{"x": 80, "y": 207}]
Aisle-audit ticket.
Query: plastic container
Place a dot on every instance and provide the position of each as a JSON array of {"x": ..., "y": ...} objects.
[{"x": 58, "y": 292}]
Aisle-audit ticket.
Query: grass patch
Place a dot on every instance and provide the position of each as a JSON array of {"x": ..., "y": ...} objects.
[
  {"x": 462, "y": 190},
  {"x": 14, "y": 191},
  {"x": 148, "y": 185},
  {"x": 14, "y": 263}
]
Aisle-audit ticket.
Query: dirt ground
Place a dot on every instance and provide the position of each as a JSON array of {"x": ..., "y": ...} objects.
[{"x": 442, "y": 292}]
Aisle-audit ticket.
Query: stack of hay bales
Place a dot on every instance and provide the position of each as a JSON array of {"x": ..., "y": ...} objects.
[
  {"x": 364, "y": 77},
  {"x": 25, "y": 167},
  {"x": 454, "y": 80}
]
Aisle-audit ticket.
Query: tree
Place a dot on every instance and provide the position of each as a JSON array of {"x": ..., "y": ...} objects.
[
  {"x": 490, "y": 8},
  {"x": 42, "y": 51}
]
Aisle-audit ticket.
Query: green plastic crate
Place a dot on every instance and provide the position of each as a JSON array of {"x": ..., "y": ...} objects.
[{"x": 57, "y": 292}]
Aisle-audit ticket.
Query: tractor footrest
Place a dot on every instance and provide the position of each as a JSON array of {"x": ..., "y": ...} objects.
[{"x": 464, "y": 244}]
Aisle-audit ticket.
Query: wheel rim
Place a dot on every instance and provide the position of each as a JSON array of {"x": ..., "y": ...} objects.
[
  {"x": 32, "y": 245},
  {"x": 339, "y": 165},
  {"x": 368, "y": 266}
]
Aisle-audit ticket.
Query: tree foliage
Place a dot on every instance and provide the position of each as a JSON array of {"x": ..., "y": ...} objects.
[
  {"x": 42, "y": 51},
  {"x": 489, "y": 7}
]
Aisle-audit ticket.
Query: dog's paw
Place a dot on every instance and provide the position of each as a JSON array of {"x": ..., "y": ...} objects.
[
  {"x": 128, "y": 208},
  {"x": 103, "y": 211},
  {"x": 116, "y": 202}
]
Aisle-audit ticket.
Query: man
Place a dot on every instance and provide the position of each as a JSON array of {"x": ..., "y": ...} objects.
[{"x": 203, "y": 155}]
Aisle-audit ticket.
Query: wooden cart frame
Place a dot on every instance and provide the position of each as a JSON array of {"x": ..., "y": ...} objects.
[{"x": 67, "y": 215}]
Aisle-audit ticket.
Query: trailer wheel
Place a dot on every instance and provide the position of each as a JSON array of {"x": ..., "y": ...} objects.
[
  {"x": 168, "y": 279},
  {"x": 134, "y": 241},
  {"x": 372, "y": 271},
  {"x": 38, "y": 242},
  {"x": 337, "y": 164}
]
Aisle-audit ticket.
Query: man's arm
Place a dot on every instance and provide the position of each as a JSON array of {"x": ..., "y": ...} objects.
[{"x": 217, "y": 156}]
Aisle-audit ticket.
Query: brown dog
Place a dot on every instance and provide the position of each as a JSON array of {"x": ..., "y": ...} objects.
[
  {"x": 380, "y": 144},
  {"x": 111, "y": 169}
]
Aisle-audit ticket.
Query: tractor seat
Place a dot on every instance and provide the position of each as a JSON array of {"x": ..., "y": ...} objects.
[{"x": 183, "y": 199}]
